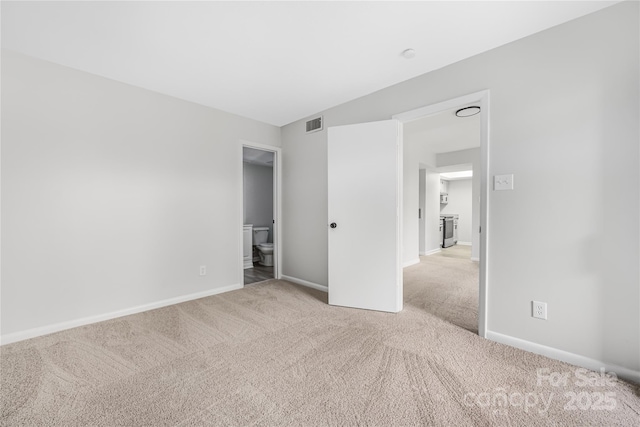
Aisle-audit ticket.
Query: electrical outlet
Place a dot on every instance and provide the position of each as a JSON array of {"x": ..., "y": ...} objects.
[
  {"x": 539, "y": 310},
  {"x": 503, "y": 182},
  {"x": 203, "y": 270}
]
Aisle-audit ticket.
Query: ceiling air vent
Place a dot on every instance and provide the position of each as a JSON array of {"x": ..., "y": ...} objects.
[{"x": 314, "y": 125}]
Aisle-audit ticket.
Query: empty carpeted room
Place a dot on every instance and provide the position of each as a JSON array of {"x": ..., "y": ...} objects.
[{"x": 126, "y": 238}]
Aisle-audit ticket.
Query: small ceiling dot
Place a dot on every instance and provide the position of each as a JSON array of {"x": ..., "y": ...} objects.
[{"x": 409, "y": 53}]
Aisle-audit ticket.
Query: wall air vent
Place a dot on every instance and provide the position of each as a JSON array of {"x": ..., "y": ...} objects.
[{"x": 314, "y": 125}]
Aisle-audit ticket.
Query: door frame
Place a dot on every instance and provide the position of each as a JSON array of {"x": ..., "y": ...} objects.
[
  {"x": 482, "y": 98},
  {"x": 277, "y": 206}
]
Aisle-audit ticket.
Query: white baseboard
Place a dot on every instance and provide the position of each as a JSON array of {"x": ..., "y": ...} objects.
[
  {"x": 411, "y": 262},
  {"x": 565, "y": 356},
  {"x": 57, "y": 327},
  {"x": 431, "y": 252},
  {"x": 464, "y": 243},
  {"x": 305, "y": 283},
  {"x": 475, "y": 259}
]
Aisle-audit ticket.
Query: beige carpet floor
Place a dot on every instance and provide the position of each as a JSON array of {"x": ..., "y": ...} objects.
[
  {"x": 445, "y": 285},
  {"x": 456, "y": 251},
  {"x": 275, "y": 354}
]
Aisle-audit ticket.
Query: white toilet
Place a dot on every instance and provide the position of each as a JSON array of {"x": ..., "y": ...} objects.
[{"x": 265, "y": 250}]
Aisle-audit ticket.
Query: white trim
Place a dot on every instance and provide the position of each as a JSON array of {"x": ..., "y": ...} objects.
[
  {"x": 431, "y": 252},
  {"x": 400, "y": 215},
  {"x": 305, "y": 283},
  {"x": 57, "y": 327},
  {"x": 464, "y": 243},
  {"x": 277, "y": 205},
  {"x": 475, "y": 259},
  {"x": 485, "y": 208},
  {"x": 411, "y": 262},
  {"x": 564, "y": 356},
  {"x": 481, "y": 97}
]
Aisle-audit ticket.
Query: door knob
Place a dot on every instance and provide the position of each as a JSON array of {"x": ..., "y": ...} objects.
[{"x": 333, "y": 225}]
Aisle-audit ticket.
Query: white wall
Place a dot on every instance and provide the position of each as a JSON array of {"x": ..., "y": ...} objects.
[
  {"x": 258, "y": 196},
  {"x": 564, "y": 120},
  {"x": 112, "y": 196},
  {"x": 416, "y": 156},
  {"x": 460, "y": 203}
]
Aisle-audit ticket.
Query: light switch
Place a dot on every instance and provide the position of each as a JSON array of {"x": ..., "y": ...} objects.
[{"x": 503, "y": 182}]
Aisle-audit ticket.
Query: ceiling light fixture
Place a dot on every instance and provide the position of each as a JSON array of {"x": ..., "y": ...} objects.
[
  {"x": 468, "y": 111},
  {"x": 457, "y": 175},
  {"x": 409, "y": 53}
]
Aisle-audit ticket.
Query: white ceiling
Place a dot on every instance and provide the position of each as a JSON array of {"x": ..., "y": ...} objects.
[
  {"x": 257, "y": 157},
  {"x": 276, "y": 62},
  {"x": 444, "y": 132}
]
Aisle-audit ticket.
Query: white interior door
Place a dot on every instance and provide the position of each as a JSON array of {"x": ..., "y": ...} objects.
[{"x": 364, "y": 166}]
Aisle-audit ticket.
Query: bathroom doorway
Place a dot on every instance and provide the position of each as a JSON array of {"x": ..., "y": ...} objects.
[{"x": 260, "y": 206}]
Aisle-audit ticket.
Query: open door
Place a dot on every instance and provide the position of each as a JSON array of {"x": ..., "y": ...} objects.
[{"x": 364, "y": 166}]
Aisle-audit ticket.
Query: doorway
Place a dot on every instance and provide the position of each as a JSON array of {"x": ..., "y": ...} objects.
[
  {"x": 421, "y": 232},
  {"x": 349, "y": 174},
  {"x": 260, "y": 206}
]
